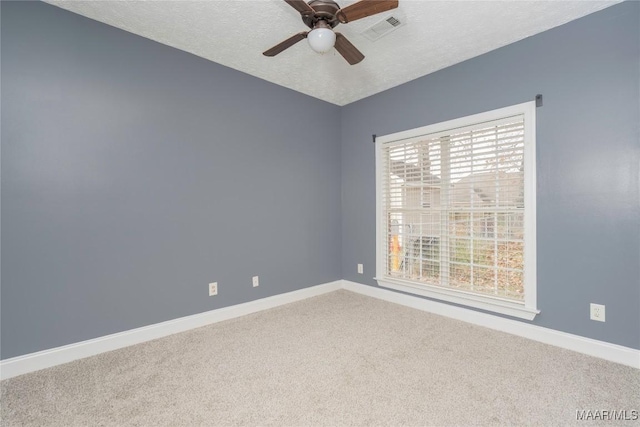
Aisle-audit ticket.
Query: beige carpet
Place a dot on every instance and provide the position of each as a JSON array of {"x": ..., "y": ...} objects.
[{"x": 337, "y": 359}]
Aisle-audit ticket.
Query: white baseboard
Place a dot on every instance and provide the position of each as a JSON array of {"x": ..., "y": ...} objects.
[
  {"x": 47, "y": 358},
  {"x": 604, "y": 350}
]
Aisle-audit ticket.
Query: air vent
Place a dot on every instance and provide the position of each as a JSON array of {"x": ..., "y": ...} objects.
[
  {"x": 382, "y": 28},
  {"x": 393, "y": 21}
]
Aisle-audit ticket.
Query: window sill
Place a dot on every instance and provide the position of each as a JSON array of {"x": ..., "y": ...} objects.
[{"x": 495, "y": 305}]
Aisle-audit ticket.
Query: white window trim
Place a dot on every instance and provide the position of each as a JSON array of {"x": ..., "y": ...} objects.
[{"x": 524, "y": 310}]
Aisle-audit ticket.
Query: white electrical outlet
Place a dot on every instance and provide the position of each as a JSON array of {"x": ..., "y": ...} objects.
[
  {"x": 213, "y": 289},
  {"x": 360, "y": 269},
  {"x": 597, "y": 312},
  {"x": 256, "y": 281}
]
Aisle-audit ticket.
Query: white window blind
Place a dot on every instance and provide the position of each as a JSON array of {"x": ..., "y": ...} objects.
[{"x": 452, "y": 208}]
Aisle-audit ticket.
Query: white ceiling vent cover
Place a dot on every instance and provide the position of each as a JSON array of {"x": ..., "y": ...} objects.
[{"x": 384, "y": 27}]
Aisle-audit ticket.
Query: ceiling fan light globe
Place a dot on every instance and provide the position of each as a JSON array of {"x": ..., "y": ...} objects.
[{"x": 321, "y": 40}]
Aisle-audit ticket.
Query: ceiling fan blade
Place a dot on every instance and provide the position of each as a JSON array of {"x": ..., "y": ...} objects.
[
  {"x": 364, "y": 8},
  {"x": 301, "y": 6},
  {"x": 285, "y": 44},
  {"x": 347, "y": 50}
]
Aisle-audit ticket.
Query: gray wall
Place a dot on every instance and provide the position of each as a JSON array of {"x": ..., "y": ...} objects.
[
  {"x": 588, "y": 161},
  {"x": 133, "y": 174}
]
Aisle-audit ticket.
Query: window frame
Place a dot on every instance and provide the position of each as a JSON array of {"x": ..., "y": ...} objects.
[{"x": 526, "y": 309}]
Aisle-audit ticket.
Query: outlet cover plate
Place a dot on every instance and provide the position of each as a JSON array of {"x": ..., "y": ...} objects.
[
  {"x": 360, "y": 269},
  {"x": 213, "y": 289},
  {"x": 255, "y": 281},
  {"x": 597, "y": 312}
]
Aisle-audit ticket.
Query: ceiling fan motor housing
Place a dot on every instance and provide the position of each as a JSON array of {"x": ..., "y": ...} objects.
[{"x": 325, "y": 10}]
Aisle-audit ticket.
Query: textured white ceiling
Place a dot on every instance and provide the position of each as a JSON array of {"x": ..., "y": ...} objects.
[{"x": 234, "y": 33}]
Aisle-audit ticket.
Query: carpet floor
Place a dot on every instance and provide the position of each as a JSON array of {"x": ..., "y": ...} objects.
[{"x": 336, "y": 359}]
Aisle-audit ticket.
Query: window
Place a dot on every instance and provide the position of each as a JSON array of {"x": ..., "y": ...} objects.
[{"x": 456, "y": 211}]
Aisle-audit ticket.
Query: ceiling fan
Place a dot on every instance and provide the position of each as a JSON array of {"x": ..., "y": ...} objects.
[{"x": 322, "y": 16}]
